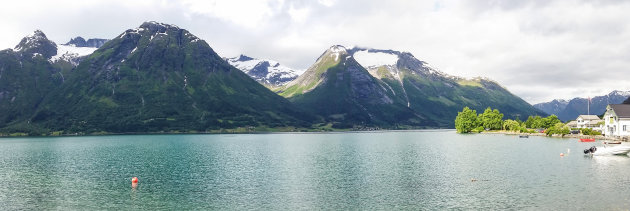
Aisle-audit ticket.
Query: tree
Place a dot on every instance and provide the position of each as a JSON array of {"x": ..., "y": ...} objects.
[
  {"x": 511, "y": 125},
  {"x": 466, "y": 120},
  {"x": 558, "y": 128},
  {"x": 491, "y": 119},
  {"x": 550, "y": 121},
  {"x": 534, "y": 122}
]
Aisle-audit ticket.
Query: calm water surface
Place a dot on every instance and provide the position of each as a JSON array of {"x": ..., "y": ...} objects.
[{"x": 381, "y": 170}]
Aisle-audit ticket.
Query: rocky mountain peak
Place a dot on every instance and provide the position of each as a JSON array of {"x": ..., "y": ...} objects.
[
  {"x": 242, "y": 58},
  {"x": 81, "y": 42},
  {"x": 77, "y": 41},
  {"x": 37, "y": 44}
]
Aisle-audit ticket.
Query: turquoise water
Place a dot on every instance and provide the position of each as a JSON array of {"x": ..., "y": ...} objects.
[{"x": 379, "y": 170}]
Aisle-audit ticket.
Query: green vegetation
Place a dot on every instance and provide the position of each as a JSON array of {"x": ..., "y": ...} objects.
[
  {"x": 539, "y": 122},
  {"x": 491, "y": 119},
  {"x": 511, "y": 125},
  {"x": 558, "y": 128},
  {"x": 466, "y": 121},
  {"x": 589, "y": 131}
]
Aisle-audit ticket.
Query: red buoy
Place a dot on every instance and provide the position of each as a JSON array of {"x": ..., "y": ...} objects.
[{"x": 134, "y": 180}]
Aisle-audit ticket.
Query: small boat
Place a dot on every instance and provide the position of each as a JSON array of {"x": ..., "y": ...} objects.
[
  {"x": 612, "y": 142},
  {"x": 587, "y": 140},
  {"x": 523, "y": 136},
  {"x": 616, "y": 150}
]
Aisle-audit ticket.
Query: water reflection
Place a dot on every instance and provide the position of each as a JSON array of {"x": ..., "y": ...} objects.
[{"x": 338, "y": 171}]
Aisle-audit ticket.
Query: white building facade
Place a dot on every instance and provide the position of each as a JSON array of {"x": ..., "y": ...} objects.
[
  {"x": 617, "y": 120},
  {"x": 589, "y": 121}
]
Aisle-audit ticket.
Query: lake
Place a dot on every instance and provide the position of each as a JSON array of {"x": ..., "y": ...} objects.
[{"x": 304, "y": 171}]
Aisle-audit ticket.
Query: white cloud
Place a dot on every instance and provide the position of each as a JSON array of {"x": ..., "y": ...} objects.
[
  {"x": 246, "y": 13},
  {"x": 298, "y": 15},
  {"x": 328, "y": 3}
]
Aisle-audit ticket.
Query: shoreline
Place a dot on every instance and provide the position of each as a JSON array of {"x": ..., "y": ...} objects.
[
  {"x": 229, "y": 132},
  {"x": 577, "y": 136}
]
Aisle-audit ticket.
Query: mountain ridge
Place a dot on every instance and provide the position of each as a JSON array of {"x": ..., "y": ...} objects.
[{"x": 578, "y": 106}]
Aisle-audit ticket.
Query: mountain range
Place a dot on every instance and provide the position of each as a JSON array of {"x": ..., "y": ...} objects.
[
  {"x": 568, "y": 110},
  {"x": 161, "y": 78}
]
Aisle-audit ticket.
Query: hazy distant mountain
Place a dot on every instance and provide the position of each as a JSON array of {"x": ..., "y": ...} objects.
[
  {"x": 267, "y": 72},
  {"x": 553, "y": 107},
  {"x": 579, "y": 106}
]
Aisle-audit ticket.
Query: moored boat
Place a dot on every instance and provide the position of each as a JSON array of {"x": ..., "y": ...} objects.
[
  {"x": 523, "y": 136},
  {"x": 587, "y": 140},
  {"x": 612, "y": 142},
  {"x": 616, "y": 150}
]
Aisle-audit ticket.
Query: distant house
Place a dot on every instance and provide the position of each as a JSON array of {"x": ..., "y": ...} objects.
[
  {"x": 572, "y": 124},
  {"x": 589, "y": 121},
  {"x": 617, "y": 120}
]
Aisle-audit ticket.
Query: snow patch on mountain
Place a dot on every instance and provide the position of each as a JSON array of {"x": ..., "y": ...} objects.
[
  {"x": 265, "y": 71},
  {"x": 375, "y": 59},
  {"x": 70, "y": 53},
  {"x": 337, "y": 50}
]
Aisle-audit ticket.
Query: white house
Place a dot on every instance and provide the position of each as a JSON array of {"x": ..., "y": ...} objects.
[
  {"x": 617, "y": 120},
  {"x": 589, "y": 121},
  {"x": 572, "y": 124}
]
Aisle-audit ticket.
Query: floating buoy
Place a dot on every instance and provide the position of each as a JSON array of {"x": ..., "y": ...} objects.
[
  {"x": 473, "y": 180},
  {"x": 561, "y": 154},
  {"x": 134, "y": 180}
]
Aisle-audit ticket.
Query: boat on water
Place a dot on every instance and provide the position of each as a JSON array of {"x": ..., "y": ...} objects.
[
  {"x": 612, "y": 142},
  {"x": 616, "y": 150},
  {"x": 523, "y": 136},
  {"x": 587, "y": 140}
]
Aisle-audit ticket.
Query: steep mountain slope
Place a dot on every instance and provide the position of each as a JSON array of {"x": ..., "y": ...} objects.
[
  {"x": 267, "y": 72},
  {"x": 434, "y": 94},
  {"x": 578, "y": 106},
  {"x": 342, "y": 91},
  {"x": 552, "y": 107},
  {"x": 158, "y": 77},
  {"x": 26, "y": 77}
]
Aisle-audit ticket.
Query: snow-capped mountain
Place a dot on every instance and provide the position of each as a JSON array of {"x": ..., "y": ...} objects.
[
  {"x": 372, "y": 59},
  {"x": 267, "y": 72},
  {"x": 36, "y": 44}
]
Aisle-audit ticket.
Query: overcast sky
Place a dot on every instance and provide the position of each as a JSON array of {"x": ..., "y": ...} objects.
[{"x": 538, "y": 49}]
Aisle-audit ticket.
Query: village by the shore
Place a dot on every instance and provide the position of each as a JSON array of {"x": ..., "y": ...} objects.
[{"x": 613, "y": 125}]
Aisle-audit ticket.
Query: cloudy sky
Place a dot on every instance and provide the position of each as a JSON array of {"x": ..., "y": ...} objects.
[{"x": 538, "y": 49}]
